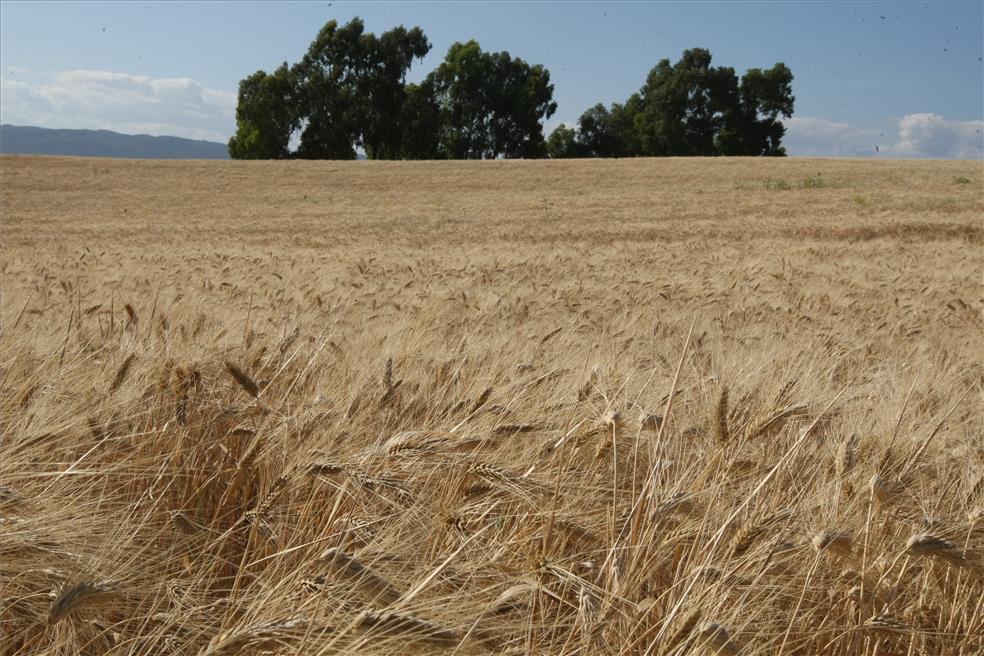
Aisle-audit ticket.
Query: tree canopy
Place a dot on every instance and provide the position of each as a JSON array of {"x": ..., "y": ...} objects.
[
  {"x": 349, "y": 92},
  {"x": 688, "y": 108},
  {"x": 491, "y": 104},
  {"x": 266, "y": 115}
]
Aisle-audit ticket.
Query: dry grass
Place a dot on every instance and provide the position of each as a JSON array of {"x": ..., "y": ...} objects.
[{"x": 593, "y": 407}]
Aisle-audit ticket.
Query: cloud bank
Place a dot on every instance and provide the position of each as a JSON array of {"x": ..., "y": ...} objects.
[
  {"x": 132, "y": 104},
  {"x": 920, "y": 136},
  {"x": 931, "y": 135},
  {"x": 816, "y": 137}
]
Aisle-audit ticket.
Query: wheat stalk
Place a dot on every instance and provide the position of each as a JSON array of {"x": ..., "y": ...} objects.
[
  {"x": 81, "y": 595},
  {"x": 835, "y": 542},
  {"x": 367, "y": 582},
  {"x": 121, "y": 372},
  {"x": 932, "y": 546},
  {"x": 722, "y": 431},
  {"x": 395, "y": 625},
  {"x": 886, "y": 624},
  {"x": 240, "y": 376},
  {"x": 263, "y": 636},
  {"x": 716, "y": 639}
]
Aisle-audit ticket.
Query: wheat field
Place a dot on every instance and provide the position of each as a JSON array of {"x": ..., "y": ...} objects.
[{"x": 665, "y": 407}]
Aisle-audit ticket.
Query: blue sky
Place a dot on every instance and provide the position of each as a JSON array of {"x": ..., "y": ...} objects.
[{"x": 906, "y": 77}]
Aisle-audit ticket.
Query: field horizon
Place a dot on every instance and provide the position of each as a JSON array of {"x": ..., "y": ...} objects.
[{"x": 642, "y": 406}]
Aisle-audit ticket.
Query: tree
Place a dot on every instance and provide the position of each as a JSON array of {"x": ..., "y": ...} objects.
[
  {"x": 693, "y": 108},
  {"x": 752, "y": 126},
  {"x": 596, "y": 135},
  {"x": 681, "y": 106},
  {"x": 420, "y": 123},
  {"x": 347, "y": 92},
  {"x": 353, "y": 90},
  {"x": 623, "y": 122},
  {"x": 385, "y": 91},
  {"x": 561, "y": 143},
  {"x": 491, "y": 104},
  {"x": 266, "y": 115}
]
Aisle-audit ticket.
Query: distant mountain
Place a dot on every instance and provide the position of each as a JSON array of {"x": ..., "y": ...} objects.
[{"x": 23, "y": 140}]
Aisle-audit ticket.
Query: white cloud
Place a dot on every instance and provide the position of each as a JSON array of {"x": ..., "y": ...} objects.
[
  {"x": 815, "y": 137},
  {"x": 932, "y": 136},
  {"x": 132, "y": 104},
  {"x": 920, "y": 136}
]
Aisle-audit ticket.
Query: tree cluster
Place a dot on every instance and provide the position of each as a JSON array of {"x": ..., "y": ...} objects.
[
  {"x": 688, "y": 108},
  {"x": 349, "y": 92}
]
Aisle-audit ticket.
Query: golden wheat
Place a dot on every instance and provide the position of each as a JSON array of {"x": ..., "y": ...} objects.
[{"x": 593, "y": 407}]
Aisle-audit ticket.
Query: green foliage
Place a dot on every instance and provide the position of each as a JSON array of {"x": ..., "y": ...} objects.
[
  {"x": 266, "y": 115},
  {"x": 752, "y": 124},
  {"x": 959, "y": 179},
  {"x": 624, "y": 122},
  {"x": 349, "y": 92},
  {"x": 561, "y": 144},
  {"x": 814, "y": 182},
  {"x": 596, "y": 133},
  {"x": 776, "y": 184},
  {"x": 420, "y": 123},
  {"x": 352, "y": 90},
  {"x": 690, "y": 109},
  {"x": 491, "y": 105},
  {"x": 604, "y": 132},
  {"x": 682, "y": 105}
]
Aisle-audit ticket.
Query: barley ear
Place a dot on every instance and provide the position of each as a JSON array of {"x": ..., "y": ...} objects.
[
  {"x": 122, "y": 372},
  {"x": 721, "y": 428},
  {"x": 247, "y": 383}
]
